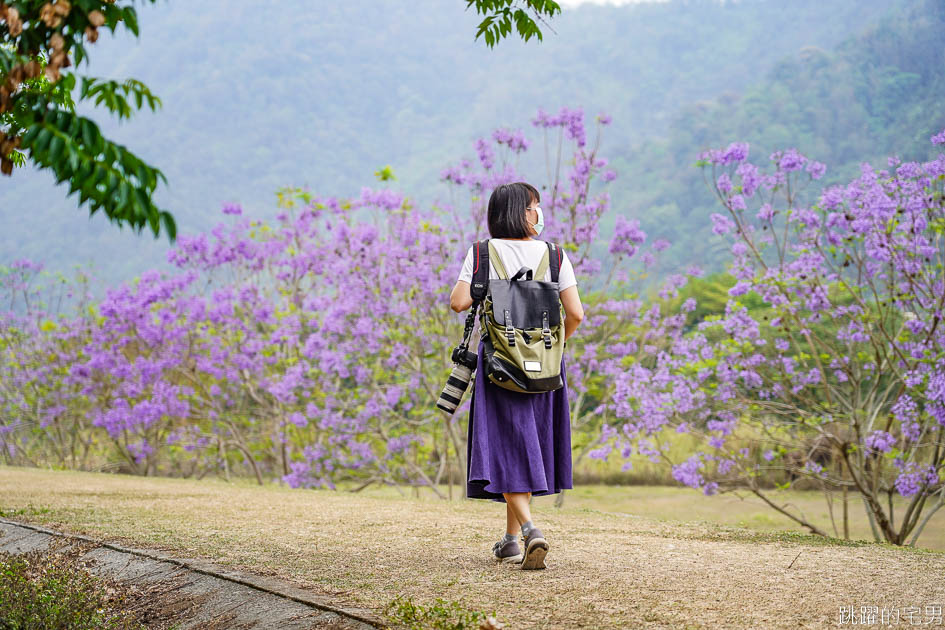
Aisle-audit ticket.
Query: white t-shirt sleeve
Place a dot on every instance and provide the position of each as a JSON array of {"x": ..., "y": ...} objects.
[
  {"x": 466, "y": 273},
  {"x": 566, "y": 277}
]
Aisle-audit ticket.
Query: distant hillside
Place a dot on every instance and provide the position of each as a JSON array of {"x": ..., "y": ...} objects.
[
  {"x": 876, "y": 94},
  {"x": 263, "y": 94}
]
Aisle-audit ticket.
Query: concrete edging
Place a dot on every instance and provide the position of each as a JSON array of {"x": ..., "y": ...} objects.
[{"x": 270, "y": 586}]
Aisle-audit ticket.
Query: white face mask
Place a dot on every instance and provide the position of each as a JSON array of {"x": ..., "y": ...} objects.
[{"x": 541, "y": 221}]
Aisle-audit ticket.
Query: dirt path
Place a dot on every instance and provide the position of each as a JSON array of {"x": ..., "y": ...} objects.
[{"x": 604, "y": 570}]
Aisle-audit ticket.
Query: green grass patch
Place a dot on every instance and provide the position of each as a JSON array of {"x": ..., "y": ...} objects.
[
  {"x": 799, "y": 538},
  {"x": 50, "y": 590},
  {"x": 29, "y": 510},
  {"x": 440, "y": 615}
]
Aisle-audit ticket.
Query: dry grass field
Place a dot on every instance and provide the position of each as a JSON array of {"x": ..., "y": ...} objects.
[{"x": 666, "y": 566}]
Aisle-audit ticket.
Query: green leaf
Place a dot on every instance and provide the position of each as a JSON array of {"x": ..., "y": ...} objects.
[
  {"x": 123, "y": 189},
  {"x": 111, "y": 182},
  {"x": 55, "y": 147},
  {"x": 385, "y": 174},
  {"x": 42, "y": 139},
  {"x": 131, "y": 19},
  {"x": 170, "y": 226},
  {"x": 88, "y": 134},
  {"x": 73, "y": 158}
]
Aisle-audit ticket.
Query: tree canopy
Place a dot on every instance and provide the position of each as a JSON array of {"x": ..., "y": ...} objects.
[{"x": 39, "y": 41}]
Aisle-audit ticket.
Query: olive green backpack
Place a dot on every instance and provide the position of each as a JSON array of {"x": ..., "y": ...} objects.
[{"x": 522, "y": 321}]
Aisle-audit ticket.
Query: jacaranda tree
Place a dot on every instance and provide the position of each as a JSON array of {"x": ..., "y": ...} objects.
[{"x": 839, "y": 380}]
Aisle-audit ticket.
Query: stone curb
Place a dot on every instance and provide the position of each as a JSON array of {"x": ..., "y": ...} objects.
[{"x": 267, "y": 585}]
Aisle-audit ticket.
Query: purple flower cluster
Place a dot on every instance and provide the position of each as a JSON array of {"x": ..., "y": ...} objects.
[
  {"x": 571, "y": 120},
  {"x": 627, "y": 237},
  {"x": 734, "y": 153},
  {"x": 514, "y": 140}
]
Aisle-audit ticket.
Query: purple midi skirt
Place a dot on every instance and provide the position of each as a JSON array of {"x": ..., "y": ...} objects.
[{"x": 517, "y": 442}]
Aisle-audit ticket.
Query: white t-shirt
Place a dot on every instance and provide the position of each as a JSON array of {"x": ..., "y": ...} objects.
[{"x": 516, "y": 254}]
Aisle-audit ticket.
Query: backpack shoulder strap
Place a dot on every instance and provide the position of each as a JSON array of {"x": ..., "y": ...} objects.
[
  {"x": 480, "y": 280},
  {"x": 497, "y": 262},
  {"x": 542, "y": 266}
]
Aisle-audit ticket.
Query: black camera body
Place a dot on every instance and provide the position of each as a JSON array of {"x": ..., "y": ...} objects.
[{"x": 463, "y": 356}]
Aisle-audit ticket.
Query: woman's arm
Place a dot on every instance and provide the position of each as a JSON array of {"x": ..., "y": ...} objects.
[
  {"x": 460, "y": 298},
  {"x": 573, "y": 310}
]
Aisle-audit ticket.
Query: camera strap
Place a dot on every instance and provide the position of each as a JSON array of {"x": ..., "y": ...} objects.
[
  {"x": 470, "y": 324},
  {"x": 479, "y": 286},
  {"x": 480, "y": 280}
]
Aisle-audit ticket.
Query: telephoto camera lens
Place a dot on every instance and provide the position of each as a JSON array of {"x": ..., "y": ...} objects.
[
  {"x": 456, "y": 386},
  {"x": 458, "y": 381}
]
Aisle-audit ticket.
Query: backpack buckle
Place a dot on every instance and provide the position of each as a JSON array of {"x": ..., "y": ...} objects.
[
  {"x": 545, "y": 330},
  {"x": 509, "y": 330}
]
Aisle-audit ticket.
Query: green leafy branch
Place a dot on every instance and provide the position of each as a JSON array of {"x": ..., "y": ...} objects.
[
  {"x": 106, "y": 175},
  {"x": 38, "y": 41},
  {"x": 501, "y": 14},
  {"x": 114, "y": 95}
]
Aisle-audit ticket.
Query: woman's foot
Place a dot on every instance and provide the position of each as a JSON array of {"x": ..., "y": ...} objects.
[
  {"x": 507, "y": 551},
  {"x": 535, "y": 549}
]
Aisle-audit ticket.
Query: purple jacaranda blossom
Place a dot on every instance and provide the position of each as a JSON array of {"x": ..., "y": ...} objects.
[
  {"x": 627, "y": 237},
  {"x": 789, "y": 160},
  {"x": 880, "y": 441},
  {"x": 915, "y": 478},
  {"x": 750, "y": 178},
  {"x": 689, "y": 473},
  {"x": 721, "y": 224},
  {"x": 765, "y": 213},
  {"x": 514, "y": 140},
  {"x": 735, "y": 152},
  {"x": 816, "y": 169},
  {"x": 486, "y": 156}
]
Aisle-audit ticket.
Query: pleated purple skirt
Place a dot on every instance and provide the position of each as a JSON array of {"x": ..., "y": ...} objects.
[{"x": 517, "y": 442}]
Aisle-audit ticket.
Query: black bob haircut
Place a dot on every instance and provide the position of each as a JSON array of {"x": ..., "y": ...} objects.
[{"x": 506, "y": 214}]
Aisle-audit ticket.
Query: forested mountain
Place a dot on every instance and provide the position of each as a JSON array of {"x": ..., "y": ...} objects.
[
  {"x": 876, "y": 94},
  {"x": 258, "y": 95}
]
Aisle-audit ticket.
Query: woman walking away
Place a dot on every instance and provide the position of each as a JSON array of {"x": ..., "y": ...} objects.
[{"x": 519, "y": 443}]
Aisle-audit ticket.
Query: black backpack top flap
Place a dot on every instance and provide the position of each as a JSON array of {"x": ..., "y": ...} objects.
[{"x": 525, "y": 300}]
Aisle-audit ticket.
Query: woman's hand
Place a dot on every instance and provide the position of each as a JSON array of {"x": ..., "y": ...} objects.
[{"x": 460, "y": 298}]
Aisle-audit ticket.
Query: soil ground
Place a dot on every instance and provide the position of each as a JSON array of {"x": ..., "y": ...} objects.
[{"x": 605, "y": 570}]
